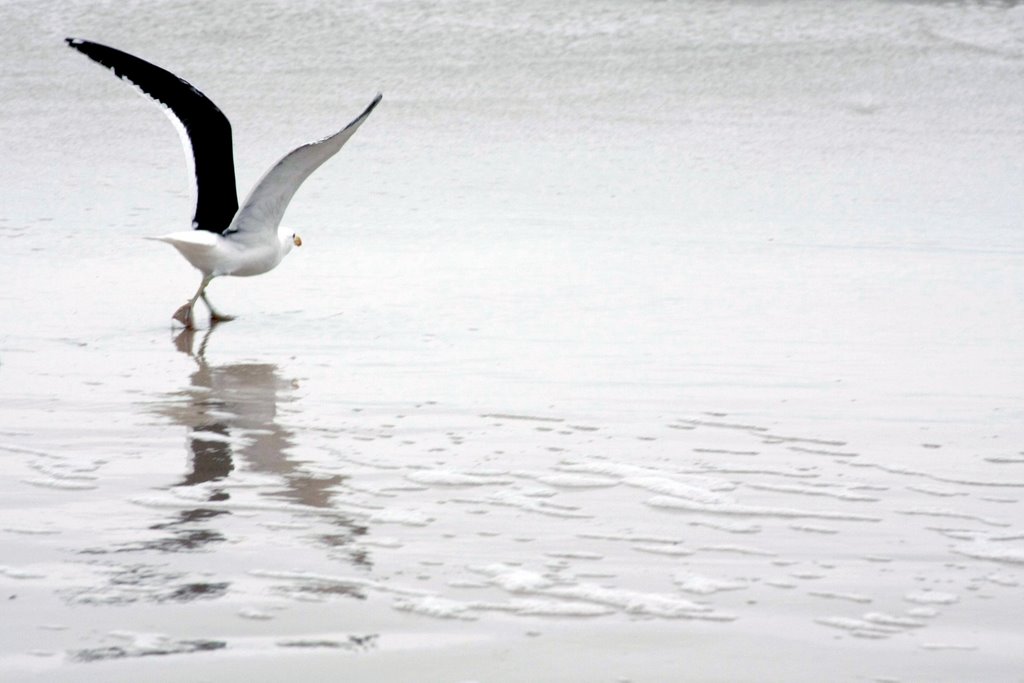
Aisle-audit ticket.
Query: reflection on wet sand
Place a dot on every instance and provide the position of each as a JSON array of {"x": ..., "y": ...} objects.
[
  {"x": 236, "y": 448},
  {"x": 231, "y": 414},
  {"x": 231, "y": 411}
]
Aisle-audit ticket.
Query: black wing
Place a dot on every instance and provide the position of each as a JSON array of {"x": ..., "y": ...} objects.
[{"x": 208, "y": 130}]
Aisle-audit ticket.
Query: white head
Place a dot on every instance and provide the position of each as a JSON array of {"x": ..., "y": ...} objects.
[{"x": 288, "y": 239}]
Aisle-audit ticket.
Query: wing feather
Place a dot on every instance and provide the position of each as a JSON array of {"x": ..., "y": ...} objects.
[
  {"x": 207, "y": 131},
  {"x": 264, "y": 208}
]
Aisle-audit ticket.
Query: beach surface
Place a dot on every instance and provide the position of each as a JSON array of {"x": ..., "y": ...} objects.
[{"x": 671, "y": 341}]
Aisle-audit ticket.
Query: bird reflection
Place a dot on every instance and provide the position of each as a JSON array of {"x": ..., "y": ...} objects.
[{"x": 231, "y": 413}]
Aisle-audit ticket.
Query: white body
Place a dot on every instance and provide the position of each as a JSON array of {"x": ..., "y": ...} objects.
[{"x": 236, "y": 253}]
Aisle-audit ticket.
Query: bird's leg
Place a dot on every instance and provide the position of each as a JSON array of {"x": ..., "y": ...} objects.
[
  {"x": 214, "y": 314},
  {"x": 184, "y": 314}
]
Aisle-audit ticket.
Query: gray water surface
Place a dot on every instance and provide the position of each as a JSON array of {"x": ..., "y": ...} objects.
[{"x": 628, "y": 342}]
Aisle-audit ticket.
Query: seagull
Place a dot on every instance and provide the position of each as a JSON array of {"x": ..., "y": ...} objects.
[{"x": 225, "y": 239}]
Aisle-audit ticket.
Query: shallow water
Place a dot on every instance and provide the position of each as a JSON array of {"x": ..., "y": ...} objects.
[{"x": 660, "y": 342}]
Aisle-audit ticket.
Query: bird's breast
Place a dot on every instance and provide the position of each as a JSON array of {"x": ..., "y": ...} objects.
[{"x": 245, "y": 260}]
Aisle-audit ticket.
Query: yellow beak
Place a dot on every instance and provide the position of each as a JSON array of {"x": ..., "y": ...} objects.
[{"x": 297, "y": 240}]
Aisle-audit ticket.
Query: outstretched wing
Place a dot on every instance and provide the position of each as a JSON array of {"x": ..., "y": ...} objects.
[
  {"x": 264, "y": 208},
  {"x": 205, "y": 131}
]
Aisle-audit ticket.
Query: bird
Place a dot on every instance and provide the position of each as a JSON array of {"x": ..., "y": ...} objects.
[{"x": 225, "y": 240}]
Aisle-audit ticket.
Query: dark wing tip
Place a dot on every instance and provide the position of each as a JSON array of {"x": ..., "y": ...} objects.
[
  {"x": 366, "y": 112},
  {"x": 73, "y": 42},
  {"x": 373, "y": 105}
]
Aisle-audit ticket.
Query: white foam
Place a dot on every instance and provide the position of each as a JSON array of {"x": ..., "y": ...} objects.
[
  {"x": 634, "y": 602},
  {"x": 670, "y": 487},
  {"x": 433, "y": 606},
  {"x": 60, "y": 484},
  {"x": 518, "y": 580},
  {"x": 515, "y": 580},
  {"x": 1002, "y": 580},
  {"x": 440, "y": 477},
  {"x": 738, "y": 549},
  {"x": 15, "y": 573},
  {"x": 546, "y": 608},
  {"x": 398, "y": 516},
  {"x": 892, "y": 620},
  {"x": 662, "y": 549},
  {"x": 990, "y": 551},
  {"x": 567, "y": 480},
  {"x": 443, "y": 608},
  {"x": 754, "y": 510},
  {"x": 836, "y": 595},
  {"x": 859, "y": 626},
  {"x": 704, "y": 585},
  {"x": 928, "y": 597},
  {"x": 813, "y": 491}
]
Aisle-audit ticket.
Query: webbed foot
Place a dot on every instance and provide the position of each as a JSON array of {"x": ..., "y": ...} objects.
[{"x": 184, "y": 316}]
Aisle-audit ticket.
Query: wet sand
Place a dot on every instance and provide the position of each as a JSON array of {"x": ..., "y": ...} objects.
[{"x": 683, "y": 344}]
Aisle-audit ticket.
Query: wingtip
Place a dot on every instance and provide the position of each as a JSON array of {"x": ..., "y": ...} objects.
[
  {"x": 369, "y": 108},
  {"x": 71, "y": 42}
]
